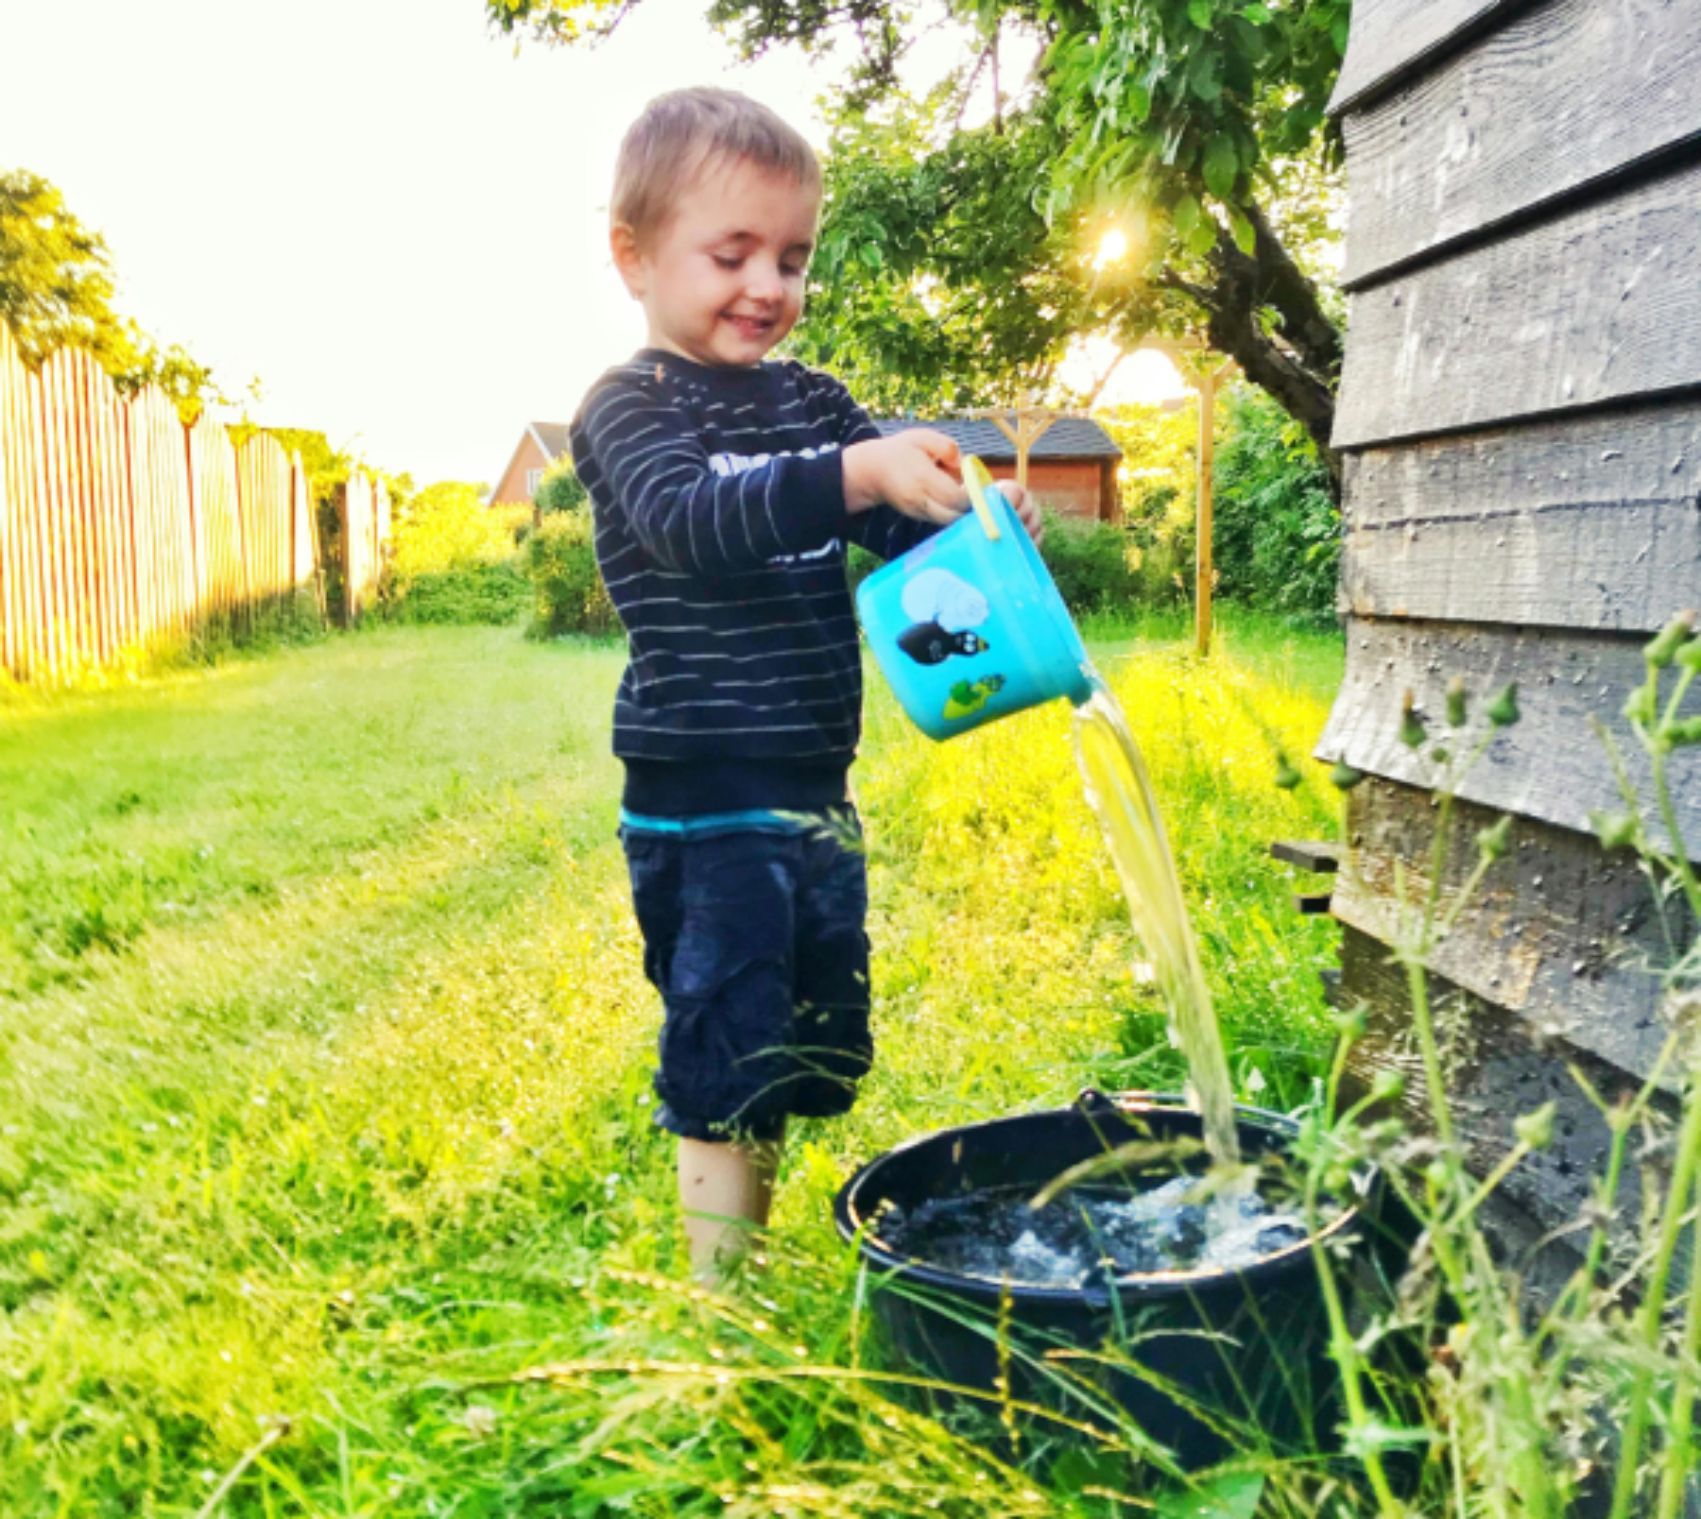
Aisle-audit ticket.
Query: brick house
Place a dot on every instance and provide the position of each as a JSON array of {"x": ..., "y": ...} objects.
[
  {"x": 1071, "y": 468},
  {"x": 540, "y": 445}
]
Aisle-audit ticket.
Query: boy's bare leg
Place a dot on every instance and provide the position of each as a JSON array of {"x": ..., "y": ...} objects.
[{"x": 725, "y": 1193}]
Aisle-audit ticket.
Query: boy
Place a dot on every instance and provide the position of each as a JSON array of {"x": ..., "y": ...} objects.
[{"x": 724, "y": 490}]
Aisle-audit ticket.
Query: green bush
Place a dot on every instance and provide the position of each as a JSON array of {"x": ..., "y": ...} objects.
[
  {"x": 560, "y": 490},
  {"x": 1277, "y": 536},
  {"x": 497, "y": 592},
  {"x": 568, "y": 591},
  {"x": 1095, "y": 564},
  {"x": 452, "y": 560}
]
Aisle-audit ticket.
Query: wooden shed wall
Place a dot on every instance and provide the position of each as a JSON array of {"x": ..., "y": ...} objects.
[{"x": 1521, "y": 406}]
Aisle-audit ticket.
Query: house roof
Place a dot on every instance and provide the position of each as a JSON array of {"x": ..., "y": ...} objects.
[
  {"x": 1066, "y": 438},
  {"x": 551, "y": 437}
]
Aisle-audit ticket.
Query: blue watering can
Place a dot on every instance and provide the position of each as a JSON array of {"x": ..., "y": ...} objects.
[{"x": 968, "y": 626}]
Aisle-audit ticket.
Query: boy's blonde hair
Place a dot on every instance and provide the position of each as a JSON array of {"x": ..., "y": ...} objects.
[{"x": 682, "y": 131}]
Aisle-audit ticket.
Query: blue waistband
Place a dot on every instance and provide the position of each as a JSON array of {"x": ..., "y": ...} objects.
[{"x": 752, "y": 820}]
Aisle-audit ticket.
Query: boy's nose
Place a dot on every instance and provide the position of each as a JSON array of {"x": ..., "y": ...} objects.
[{"x": 764, "y": 283}]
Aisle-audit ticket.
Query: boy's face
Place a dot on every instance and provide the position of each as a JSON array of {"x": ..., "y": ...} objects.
[{"x": 722, "y": 281}]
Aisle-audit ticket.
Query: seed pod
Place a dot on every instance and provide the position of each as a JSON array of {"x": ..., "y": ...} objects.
[
  {"x": 1503, "y": 710},
  {"x": 1350, "y": 1024},
  {"x": 1412, "y": 732},
  {"x": 1388, "y": 1086},
  {"x": 1535, "y": 1129},
  {"x": 1286, "y": 776},
  {"x": 1491, "y": 842},
  {"x": 1689, "y": 656},
  {"x": 1639, "y": 707},
  {"x": 1686, "y": 730},
  {"x": 1344, "y": 776},
  {"x": 1615, "y": 830},
  {"x": 1456, "y": 702},
  {"x": 1668, "y": 640}
]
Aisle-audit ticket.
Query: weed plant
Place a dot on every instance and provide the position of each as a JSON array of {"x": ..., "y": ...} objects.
[{"x": 1521, "y": 1404}]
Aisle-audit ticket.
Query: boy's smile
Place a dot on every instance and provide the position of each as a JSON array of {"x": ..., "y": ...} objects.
[{"x": 722, "y": 281}]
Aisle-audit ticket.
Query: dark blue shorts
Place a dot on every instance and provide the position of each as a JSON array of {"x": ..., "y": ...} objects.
[{"x": 758, "y": 945}]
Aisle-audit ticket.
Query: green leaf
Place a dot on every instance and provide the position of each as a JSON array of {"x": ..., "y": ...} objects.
[
  {"x": 1139, "y": 101},
  {"x": 1199, "y": 12},
  {"x": 1260, "y": 14},
  {"x": 1215, "y": 1495},
  {"x": 1244, "y": 233},
  {"x": 1203, "y": 237},
  {"x": 1185, "y": 215},
  {"x": 1222, "y": 167},
  {"x": 1205, "y": 76}
]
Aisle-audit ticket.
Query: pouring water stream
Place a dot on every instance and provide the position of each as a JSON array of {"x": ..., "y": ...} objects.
[{"x": 1120, "y": 794}]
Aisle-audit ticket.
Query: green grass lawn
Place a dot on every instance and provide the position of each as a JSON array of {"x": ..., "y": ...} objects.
[{"x": 324, "y": 1099}]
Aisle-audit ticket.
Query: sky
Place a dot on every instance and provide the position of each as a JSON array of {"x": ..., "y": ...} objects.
[{"x": 385, "y": 214}]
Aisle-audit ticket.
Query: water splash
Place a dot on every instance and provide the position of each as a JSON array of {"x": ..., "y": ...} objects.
[
  {"x": 1120, "y": 794},
  {"x": 1089, "y": 1234}
]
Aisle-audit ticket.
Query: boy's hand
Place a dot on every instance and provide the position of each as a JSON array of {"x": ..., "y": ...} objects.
[
  {"x": 1024, "y": 507},
  {"x": 917, "y": 472}
]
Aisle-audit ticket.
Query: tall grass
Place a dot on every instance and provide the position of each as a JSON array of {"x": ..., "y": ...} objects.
[{"x": 325, "y": 1082}]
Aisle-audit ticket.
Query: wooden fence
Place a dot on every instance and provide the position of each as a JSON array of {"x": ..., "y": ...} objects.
[{"x": 121, "y": 529}]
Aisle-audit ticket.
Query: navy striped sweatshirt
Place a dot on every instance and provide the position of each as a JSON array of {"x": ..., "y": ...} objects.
[{"x": 719, "y": 505}]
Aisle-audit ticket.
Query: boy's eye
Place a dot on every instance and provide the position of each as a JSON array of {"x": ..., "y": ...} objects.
[
  {"x": 792, "y": 271},
  {"x": 728, "y": 261}
]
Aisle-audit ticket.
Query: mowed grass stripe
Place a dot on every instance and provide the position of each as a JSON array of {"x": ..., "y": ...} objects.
[{"x": 165, "y": 803}]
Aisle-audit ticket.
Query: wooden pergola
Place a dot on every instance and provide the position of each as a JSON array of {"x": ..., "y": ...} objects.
[{"x": 1024, "y": 426}]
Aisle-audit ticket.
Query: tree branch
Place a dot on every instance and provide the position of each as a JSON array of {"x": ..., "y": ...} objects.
[{"x": 1231, "y": 304}]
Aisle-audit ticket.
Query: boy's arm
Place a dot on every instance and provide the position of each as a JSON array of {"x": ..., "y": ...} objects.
[
  {"x": 685, "y": 516},
  {"x": 881, "y": 530}
]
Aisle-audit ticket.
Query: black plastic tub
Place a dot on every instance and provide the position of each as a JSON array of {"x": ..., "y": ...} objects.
[{"x": 1184, "y": 1354}]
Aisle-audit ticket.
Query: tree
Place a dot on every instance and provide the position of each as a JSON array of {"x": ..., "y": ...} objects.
[
  {"x": 1193, "y": 129},
  {"x": 56, "y": 290}
]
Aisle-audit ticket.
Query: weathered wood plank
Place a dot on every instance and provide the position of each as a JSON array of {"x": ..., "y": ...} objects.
[
  {"x": 1568, "y": 940},
  {"x": 1560, "y": 98},
  {"x": 1594, "y": 522},
  {"x": 1598, "y": 306},
  {"x": 1550, "y": 765},
  {"x": 1393, "y": 39},
  {"x": 1309, "y": 854}
]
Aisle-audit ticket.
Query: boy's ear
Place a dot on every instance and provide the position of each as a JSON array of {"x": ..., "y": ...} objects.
[{"x": 628, "y": 258}]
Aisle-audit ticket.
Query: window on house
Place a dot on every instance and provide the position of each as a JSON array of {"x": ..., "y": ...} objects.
[{"x": 534, "y": 478}]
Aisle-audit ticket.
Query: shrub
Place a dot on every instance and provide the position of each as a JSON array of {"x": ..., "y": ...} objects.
[
  {"x": 561, "y": 490},
  {"x": 1278, "y": 533},
  {"x": 1095, "y": 564},
  {"x": 452, "y": 560},
  {"x": 496, "y": 592},
  {"x": 1276, "y": 539},
  {"x": 568, "y": 591}
]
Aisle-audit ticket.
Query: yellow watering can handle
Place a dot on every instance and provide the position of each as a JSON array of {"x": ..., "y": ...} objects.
[{"x": 977, "y": 477}]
